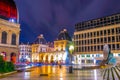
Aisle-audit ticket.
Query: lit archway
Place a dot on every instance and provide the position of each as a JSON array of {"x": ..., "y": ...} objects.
[
  {"x": 56, "y": 58},
  {"x": 13, "y": 57},
  {"x": 4, "y": 56},
  {"x": 51, "y": 58},
  {"x": 41, "y": 58},
  {"x": 46, "y": 59}
]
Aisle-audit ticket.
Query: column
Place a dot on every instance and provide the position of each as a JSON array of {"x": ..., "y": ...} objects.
[
  {"x": 17, "y": 38},
  {"x": 9, "y": 37}
]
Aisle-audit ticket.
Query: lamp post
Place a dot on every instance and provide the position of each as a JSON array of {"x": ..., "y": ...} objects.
[{"x": 71, "y": 49}]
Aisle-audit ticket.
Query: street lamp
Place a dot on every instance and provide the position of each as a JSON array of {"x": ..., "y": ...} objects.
[{"x": 71, "y": 49}]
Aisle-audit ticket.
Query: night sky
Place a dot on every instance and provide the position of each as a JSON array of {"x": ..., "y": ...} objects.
[{"x": 48, "y": 17}]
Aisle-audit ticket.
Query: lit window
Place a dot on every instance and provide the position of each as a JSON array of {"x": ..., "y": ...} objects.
[
  {"x": 83, "y": 55},
  {"x": 88, "y": 55},
  {"x": 13, "y": 42},
  {"x": 4, "y": 37}
]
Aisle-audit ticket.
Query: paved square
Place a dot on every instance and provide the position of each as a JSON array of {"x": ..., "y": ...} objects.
[{"x": 55, "y": 73}]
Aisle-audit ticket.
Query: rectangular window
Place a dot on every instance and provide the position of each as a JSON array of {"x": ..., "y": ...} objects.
[
  {"x": 98, "y": 47},
  {"x": 101, "y": 40},
  {"x": 76, "y": 42},
  {"x": 104, "y": 32},
  {"x": 85, "y": 35},
  {"x": 113, "y": 38},
  {"x": 94, "y": 34},
  {"x": 94, "y": 41},
  {"x": 97, "y": 33},
  {"x": 109, "y": 40},
  {"x": 105, "y": 40},
  {"x": 94, "y": 48},
  {"x": 88, "y": 34},
  {"x": 117, "y": 46},
  {"x": 117, "y": 38},
  {"x": 119, "y": 30},
  {"x": 88, "y": 48},
  {"x": 113, "y": 46},
  {"x": 98, "y": 40},
  {"x": 83, "y": 55},
  {"x": 101, "y": 33},
  {"x": 88, "y": 55},
  {"x": 101, "y": 47},
  {"x": 112, "y": 31},
  {"x": 79, "y": 42},
  {"x": 108, "y": 31},
  {"x": 91, "y": 41},
  {"x": 91, "y": 48},
  {"x": 76, "y": 36},
  {"x": 91, "y": 34}
]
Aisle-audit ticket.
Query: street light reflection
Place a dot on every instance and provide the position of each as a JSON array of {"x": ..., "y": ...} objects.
[
  {"x": 27, "y": 75},
  {"x": 95, "y": 75},
  {"x": 49, "y": 69},
  {"x": 61, "y": 78},
  {"x": 53, "y": 69},
  {"x": 61, "y": 74}
]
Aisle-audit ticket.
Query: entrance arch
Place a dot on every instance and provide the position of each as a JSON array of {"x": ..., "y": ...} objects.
[
  {"x": 46, "y": 59},
  {"x": 41, "y": 57},
  {"x": 13, "y": 57},
  {"x": 51, "y": 59}
]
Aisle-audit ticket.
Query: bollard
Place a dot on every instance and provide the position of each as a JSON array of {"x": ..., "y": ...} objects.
[{"x": 70, "y": 69}]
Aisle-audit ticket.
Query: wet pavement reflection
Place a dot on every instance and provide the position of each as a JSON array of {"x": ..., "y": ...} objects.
[{"x": 55, "y": 73}]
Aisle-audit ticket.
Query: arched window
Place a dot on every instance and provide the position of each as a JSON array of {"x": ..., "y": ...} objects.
[
  {"x": 4, "y": 37},
  {"x": 13, "y": 42}
]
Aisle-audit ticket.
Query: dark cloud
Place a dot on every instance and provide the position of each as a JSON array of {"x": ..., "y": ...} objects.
[{"x": 48, "y": 17}]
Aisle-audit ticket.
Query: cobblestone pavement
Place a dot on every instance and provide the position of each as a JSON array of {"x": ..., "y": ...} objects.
[{"x": 55, "y": 73}]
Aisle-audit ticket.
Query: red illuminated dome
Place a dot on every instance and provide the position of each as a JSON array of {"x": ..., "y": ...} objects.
[{"x": 8, "y": 10}]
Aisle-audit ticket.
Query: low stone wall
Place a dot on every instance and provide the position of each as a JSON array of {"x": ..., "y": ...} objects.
[{"x": 4, "y": 74}]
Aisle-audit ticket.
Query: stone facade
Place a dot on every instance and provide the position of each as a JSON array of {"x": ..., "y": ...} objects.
[{"x": 8, "y": 49}]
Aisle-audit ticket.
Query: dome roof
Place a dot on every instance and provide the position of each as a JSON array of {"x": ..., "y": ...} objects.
[
  {"x": 63, "y": 35},
  {"x": 40, "y": 40},
  {"x": 8, "y": 10}
]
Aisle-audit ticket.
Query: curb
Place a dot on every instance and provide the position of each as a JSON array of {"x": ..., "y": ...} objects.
[{"x": 4, "y": 74}]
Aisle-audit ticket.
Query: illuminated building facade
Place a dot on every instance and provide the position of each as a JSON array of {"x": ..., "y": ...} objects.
[
  {"x": 60, "y": 53},
  {"x": 9, "y": 30},
  {"x": 25, "y": 52},
  {"x": 39, "y": 46},
  {"x": 90, "y": 37}
]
